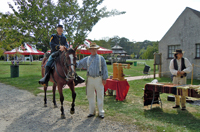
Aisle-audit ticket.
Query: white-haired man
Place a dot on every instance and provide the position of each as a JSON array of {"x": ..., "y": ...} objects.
[{"x": 97, "y": 74}]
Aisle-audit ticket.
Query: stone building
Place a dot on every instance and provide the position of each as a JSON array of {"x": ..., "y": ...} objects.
[{"x": 184, "y": 34}]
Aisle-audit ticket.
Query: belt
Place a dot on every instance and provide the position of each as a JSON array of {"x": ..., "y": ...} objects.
[
  {"x": 94, "y": 77},
  {"x": 179, "y": 76}
]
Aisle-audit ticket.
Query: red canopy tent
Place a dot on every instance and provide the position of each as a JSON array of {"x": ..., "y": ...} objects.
[
  {"x": 82, "y": 49},
  {"x": 24, "y": 50},
  {"x": 29, "y": 50}
]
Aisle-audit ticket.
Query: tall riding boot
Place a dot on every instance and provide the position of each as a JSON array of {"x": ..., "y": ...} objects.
[
  {"x": 44, "y": 81},
  {"x": 78, "y": 79}
]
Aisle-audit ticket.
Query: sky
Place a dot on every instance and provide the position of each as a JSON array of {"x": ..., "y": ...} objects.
[{"x": 144, "y": 19}]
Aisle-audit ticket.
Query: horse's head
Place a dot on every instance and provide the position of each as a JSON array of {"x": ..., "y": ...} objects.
[{"x": 70, "y": 62}]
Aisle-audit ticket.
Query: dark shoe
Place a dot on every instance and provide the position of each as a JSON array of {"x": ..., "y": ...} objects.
[
  {"x": 183, "y": 108},
  {"x": 90, "y": 115},
  {"x": 44, "y": 81},
  {"x": 177, "y": 106},
  {"x": 78, "y": 80},
  {"x": 101, "y": 116}
]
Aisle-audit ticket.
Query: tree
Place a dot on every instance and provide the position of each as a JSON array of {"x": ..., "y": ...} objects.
[
  {"x": 132, "y": 55},
  {"x": 42, "y": 16},
  {"x": 148, "y": 53},
  {"x": 38, "y": 17},
  {"x": 11, "y": 32},
  {"x": 142, "y": 51}
]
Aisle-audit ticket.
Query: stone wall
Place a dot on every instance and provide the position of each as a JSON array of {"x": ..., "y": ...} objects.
[{"x": 186, "y": 33}]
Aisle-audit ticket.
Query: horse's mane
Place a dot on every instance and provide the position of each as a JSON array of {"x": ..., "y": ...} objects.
[
  {"x": 63, "y": 54},
  {"x": 71, "y": 50}
]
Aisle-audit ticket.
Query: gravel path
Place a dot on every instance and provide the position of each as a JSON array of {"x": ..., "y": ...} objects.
[{"x": 21, "y": 111}]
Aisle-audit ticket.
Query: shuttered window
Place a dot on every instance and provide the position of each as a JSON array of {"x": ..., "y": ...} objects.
[
  {"x": 197, "y": 50},
  {"x": 171, "y": 49}
]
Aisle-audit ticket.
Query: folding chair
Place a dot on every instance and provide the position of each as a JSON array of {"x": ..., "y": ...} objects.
[{"x": 146, "y": 71}]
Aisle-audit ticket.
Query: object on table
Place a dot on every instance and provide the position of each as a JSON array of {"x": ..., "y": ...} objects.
[
  {"x": 118, "y": 71},
  {"x": 154, "y": 81},
  {"x": 151, "y": 91}
]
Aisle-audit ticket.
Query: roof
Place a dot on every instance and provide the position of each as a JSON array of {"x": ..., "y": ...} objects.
[
  {"x": 119, "y": 52},
  {"x": 117, "y": 47},
  {"x": 195, "y": 11}
]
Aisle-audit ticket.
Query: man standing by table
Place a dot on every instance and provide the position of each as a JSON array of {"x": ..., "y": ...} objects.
[
  {"x": 179, "y": 67},
  {"x": 97, "y": 74}
]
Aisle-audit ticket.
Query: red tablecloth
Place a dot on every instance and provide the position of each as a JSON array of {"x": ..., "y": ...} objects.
[{"x": 121, "y": 88}]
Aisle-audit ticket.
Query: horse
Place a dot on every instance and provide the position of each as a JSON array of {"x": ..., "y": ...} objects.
[{"x": 63, "y": 73}]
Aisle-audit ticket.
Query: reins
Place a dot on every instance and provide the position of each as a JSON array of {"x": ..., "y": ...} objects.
[{"x": 66, "y": 77}]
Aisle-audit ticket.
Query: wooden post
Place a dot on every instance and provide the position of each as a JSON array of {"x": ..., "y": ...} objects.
[
  {"x": 154, "y": 69},
  {"x": 192, "y": 74},
  {"x": 160, "y": 65}
]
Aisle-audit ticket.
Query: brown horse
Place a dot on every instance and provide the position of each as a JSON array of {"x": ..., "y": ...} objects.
[{"x": 62, "y": 74}]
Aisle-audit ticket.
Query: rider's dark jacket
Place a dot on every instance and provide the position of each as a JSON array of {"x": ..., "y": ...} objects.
[{"x": 56, "y": 41}]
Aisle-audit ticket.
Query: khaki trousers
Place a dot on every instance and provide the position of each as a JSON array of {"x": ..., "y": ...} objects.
[
  {"x": 92, "y": 85},
  {"x": 181, "y": 81}
]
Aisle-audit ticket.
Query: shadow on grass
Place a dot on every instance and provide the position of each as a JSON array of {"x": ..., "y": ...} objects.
[{"x": 181, "y": 118}]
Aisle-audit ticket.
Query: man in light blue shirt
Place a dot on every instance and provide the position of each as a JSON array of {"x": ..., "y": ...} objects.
[{"x": 97, "y": 74}]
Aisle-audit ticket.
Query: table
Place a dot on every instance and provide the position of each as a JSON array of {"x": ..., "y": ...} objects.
[
  {"x": 152, "y": 92},
  {"x": 121, "y": 88}
]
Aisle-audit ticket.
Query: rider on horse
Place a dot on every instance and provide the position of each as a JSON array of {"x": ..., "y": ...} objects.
[{"x": 58, "y": 42}]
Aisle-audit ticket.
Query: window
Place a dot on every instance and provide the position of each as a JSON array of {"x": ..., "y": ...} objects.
[
  {"x": 171, "y": 49},
  {"x": 197, "y": 51}
]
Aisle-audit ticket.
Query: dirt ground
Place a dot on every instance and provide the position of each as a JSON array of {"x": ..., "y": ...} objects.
[{"x": 21, "y": 111}]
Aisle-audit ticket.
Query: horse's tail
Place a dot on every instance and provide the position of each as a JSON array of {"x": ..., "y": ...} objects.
[{"x": 42, "y": 66}]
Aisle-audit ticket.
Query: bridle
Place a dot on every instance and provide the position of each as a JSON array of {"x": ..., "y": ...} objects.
[{"x": 67, "y": 76}]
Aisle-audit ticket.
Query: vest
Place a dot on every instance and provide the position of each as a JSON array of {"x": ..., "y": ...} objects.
[{"x": 182, "y": 66}]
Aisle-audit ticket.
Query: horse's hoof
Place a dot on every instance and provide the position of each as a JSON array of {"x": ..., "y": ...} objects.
[
  {"x": 72, "y": 112},
  {"x": 55, "y": 106},
  {"x": 45, "y": 105},
  {"x": 63, "y": 117}
]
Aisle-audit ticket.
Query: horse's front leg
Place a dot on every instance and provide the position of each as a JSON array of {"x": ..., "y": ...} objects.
[
  {"x": 45, "y": 97},
  {"x": 54, "y": 96},
  {"x": 61, "y": 100},
  {"x": 72, "y": 110}
]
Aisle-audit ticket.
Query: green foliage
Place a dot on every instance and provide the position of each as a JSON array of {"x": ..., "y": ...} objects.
[
  {"x": 38, "y": 17},
  {"x": 149, "y": 51},
  {"x": 42, "y": 16},
  {"x": 143, "y": 50},
  {"x": 132, "y": 55},
  {"x": 12, "y": 33}
]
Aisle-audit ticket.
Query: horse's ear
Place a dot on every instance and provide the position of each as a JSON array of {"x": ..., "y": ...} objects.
[{"x": 75, "y": 48}]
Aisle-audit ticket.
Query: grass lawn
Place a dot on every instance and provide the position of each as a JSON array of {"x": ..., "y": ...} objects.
[
  {"x": 130, "y": 111},
  {"x": 29, "y": 74}
]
